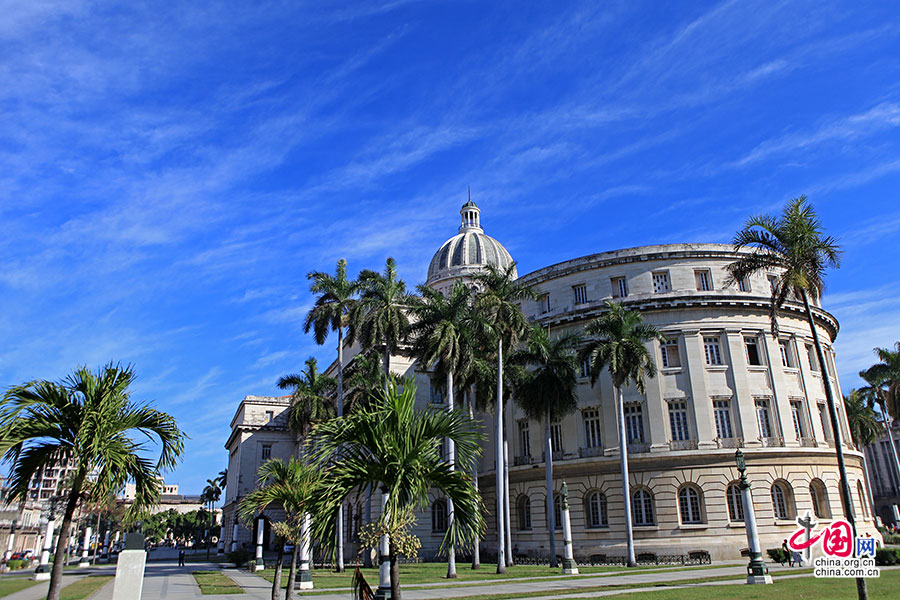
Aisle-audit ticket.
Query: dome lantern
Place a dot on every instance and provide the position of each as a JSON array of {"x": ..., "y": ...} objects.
[{"x": 471, "y": 216}]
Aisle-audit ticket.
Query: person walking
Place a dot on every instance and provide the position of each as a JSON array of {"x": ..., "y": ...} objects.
[
  {"x": 786, "y": 554},
  {"x": 181, "y": 557}
]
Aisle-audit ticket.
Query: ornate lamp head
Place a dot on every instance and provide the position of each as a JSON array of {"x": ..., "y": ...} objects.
[{"x": 739, "y": 459}]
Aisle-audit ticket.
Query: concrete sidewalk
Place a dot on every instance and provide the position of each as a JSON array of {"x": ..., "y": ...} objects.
[{"x": 39, "y": 591}]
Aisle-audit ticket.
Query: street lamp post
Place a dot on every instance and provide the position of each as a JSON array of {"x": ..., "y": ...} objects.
[
  {"x": 10, "y": 542},
  {"x": 42, "y": 573},
  {"x": 569, "y": 566},
  {"x": 757, "y": 571}
]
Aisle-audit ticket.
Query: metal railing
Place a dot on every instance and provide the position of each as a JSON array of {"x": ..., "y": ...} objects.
[
  {"x": 522, "y": 460},
  {"x": 772, "y": 442},
  {"x": 732, "y": 442},
  {"x": 589, "y": 452},
  {"x": 808, "y": 442},
  {"x": 638, "y": 447},
  {"x": 683, "y": 445}
]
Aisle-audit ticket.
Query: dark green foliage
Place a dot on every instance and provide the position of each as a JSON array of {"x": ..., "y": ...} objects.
[
  {"x": 16, "y": 564},
  {"x": 239, "y": 557},
  {"x": 185, "y": 528},
  {"x": 778, "y": 555},
  {"x": 887, "y": 557}
]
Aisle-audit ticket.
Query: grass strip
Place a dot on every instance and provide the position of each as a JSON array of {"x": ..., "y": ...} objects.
[
  {"x": 83, "y": 588},
  {"x": 216, "y": 582},
  {"x": 412, "y": 575},
  {"x": 10, "y": 585}
]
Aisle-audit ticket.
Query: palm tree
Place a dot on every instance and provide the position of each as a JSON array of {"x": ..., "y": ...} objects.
[
  {"x": 794, "y": 247},
  {"x": 393, "y": 445},
  {"x": 311, "y": 397},
  {"x": 211, "y": 494},
  {"x": 89, "y": 419},
  {"x": 222, "y": 478},
  {"x": 364, "y": 378},
  {"x": 331, "y": 312},
  {"x": 884, "y": 390},
  {"x": 444, "y": 335},
  {"x": 289, "y": 484},
  {"x": 498, "y": 298},
  {"x": 863, "y": 421},
  {"x": 380, "y": 316},
  {"x": 617, "y": 342},
  {"x": 548, "y": 394}
]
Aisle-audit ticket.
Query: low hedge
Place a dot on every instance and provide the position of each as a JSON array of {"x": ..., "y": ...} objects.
[
  {"x": 892, "y": 540},
  {"x": 239, "y": 557},
  {"x": 886, "y": 557},
  {"x": 17, "y": 564},
  {"x": 778, "y": 555}
]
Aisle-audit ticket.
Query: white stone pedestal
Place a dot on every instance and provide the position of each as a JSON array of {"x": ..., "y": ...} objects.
[{"x": 130, "y": 575}]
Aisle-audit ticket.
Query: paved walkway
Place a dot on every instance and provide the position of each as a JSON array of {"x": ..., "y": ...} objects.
[{"x": 39, "y": 591}]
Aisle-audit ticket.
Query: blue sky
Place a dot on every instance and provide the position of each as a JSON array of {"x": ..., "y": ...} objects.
[{"x": 169, "y": 172}]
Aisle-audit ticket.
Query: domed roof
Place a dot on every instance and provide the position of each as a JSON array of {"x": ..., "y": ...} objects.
[{"x": 467, "y": 252}]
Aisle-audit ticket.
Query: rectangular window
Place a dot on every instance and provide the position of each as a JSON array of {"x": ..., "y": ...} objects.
[
  {"x": 544, "y": 299},
  {"x": 712, "y": 350},
  {"x": 744, "y": 284},
  {"x": 703, "y": 279},
  {"x": 773, "y": 283},
  {"x": 437, "y": 396},
  {"x": 670, "y": 357},
  {"x": 762, "y": 419},
  {"x": 266, "y": 451},
  {"x": 556, "y": 436},
  {"x": 591, "y": 428},
  {"x": 586, "y": 367},
  {"x": 580, "y": 293},
  {"x": 270, "y": 416},
  {"x": 813, "y": 359},
  {"x": 826, "y": 422},
  {"x": 524, "y": 439},
  {"x": 723, "y": 419},
  {"x": 661, "y": 282},
  {"x": 678, "y": 421},
  {"x": 787, "y": 359},
  {"x": 634, "y": 424},
  {"x": 797, "y": 417},
  {"x": 619, "y": 287},
  {"x": 754, "y": 359}
]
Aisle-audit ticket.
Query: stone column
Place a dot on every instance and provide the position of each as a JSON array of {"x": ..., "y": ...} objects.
[
  {"x": 384, "y": 549},
  {"x": 260, "y": 532},
  {"x": 569, "y": 566},
  {"x": 9, "y": 542},
  {"x": 703, "y": 414},
  {"x": 220, "y": 548},
  {"x": 115, "y": 544},
  {"x": 304, "y": 575},
  {"x": 743, "y": 404},
  {"x": 779, "y": 389},
  {"x": 656, "y": 417},
  {"x": 84, "y": 552},
  {"x": 234, "y": 534}
]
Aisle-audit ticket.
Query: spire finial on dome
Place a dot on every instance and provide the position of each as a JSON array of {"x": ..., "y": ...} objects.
[{"x": 471, "y": 215}]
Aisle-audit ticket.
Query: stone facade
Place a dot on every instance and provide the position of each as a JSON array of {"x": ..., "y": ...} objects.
[{"x": 883, "y": 476}]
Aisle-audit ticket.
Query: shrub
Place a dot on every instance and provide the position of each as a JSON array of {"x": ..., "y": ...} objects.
[
  {"x": 891, "y": 540},
  {"x": 778, "y": 555},
  {"x": 239, "y": 557},
  {"x": 16, "y": 564},
  {"x": 885, "y": 557}
]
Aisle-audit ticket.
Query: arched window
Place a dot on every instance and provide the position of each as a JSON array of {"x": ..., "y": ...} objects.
[
  {"x": 863, "y": 500},
  {"x": 642, "y": 507},
  {"x": 819, "y": 497},
  {"x": 735, "y": 500},
  {"x": 782, "y": 500},
  {"x": 689, "y": 505},
  {"x": 523, "y": 510},
  {"x": 439, "y": 515},
  {"x": 595, "y": 508}
]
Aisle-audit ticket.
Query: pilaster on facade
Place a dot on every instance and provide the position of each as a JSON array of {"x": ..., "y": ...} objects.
[
  {"x": 780, "y": 394},
  {"x": 744, "y": 403},
  {"x": 703, "y": 414},
  {"x": 657, "y": 419}
]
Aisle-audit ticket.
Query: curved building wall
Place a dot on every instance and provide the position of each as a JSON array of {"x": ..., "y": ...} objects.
[{"x": 725, "y": 381}]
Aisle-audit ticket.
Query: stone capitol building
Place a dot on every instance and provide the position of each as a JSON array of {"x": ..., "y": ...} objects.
[{"x": 724, "y": 382}]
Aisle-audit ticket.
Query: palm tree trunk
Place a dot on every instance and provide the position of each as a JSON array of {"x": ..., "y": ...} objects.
[
  {"x": 506, "y": 503},
  {"x": 551, "y": 507},
  {"x": 498, "y": 468},
  {"x": 846, "y": 498},
  {"x": 476, "y": 552},
  {"x": 63, "y": 541},
  {"x": 276, "y": 582},
  {"x": 367, "y": 517},
  {"x": 451, "y": 462},
  {"x": 387, "y": 367},
  {"x": 890, "y": 437},
  {"x": 395, "y": 574},
  {"x": 292, "y": 572},
  {"x": 340, "y": 413},
  {"x": 626, "y": 487}
]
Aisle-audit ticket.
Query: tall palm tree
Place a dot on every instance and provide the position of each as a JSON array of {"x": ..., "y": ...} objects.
[
  {"x": 331, "y": 312},
  {"x": 393, "y": 445},
  {"x": 288, "y": 484},
  {"x": 794, "y": 248},
  {"x": 89, "y": 419},
  {"x": 380, "y": 316},
  {"x": 364, "y": 378},
  {"x": 863, "y": 421},
  {"x": 310, "y": 397},
  {"x": 547, "y": 394},
  {"x": 884, "y": 390},
  {"x": 499, "y": 298},
  {"x": 211, "y": 494},
  {"x": 616, "y": 341},
  {"x": 222, "y": 478},
  {"x": 444, "y": 339}
]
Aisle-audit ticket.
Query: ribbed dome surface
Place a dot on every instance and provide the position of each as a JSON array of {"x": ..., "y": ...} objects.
[{"x": 465, "y": 253}]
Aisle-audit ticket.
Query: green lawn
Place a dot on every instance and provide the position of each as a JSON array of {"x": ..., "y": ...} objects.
[
  {"x": 83, "y": 588},
  {"x": 412, "y": 574},
  {"x": 8, "y": 585},
  {"x": 215, "y": 582}
]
